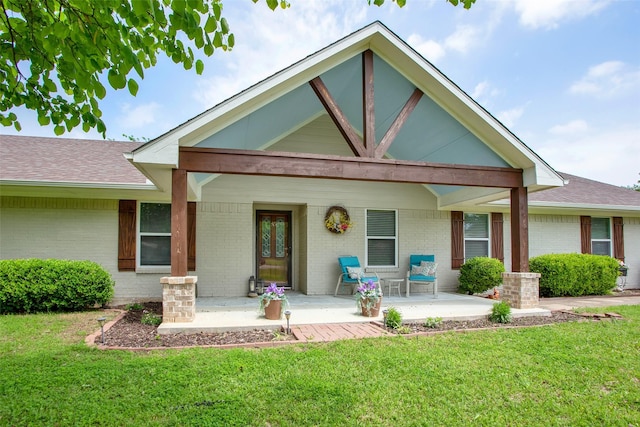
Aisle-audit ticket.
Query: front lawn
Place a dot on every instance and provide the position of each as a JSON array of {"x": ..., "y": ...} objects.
[{"x": 577, "y": 374}]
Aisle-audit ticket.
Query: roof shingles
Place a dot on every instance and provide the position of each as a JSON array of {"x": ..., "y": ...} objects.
[
  {"x": 40, "y": 159},
  {"x": 583, "y": 191}
]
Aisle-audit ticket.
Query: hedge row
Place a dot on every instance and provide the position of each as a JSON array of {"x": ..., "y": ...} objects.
[
  {"x": 37, "y": 285},
  {"x": 575, "y": 274}
]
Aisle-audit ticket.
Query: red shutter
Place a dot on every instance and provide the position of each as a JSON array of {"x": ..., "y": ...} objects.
[
  {"x": 585, "y": 234},
  {"x": 191, "y": 236},
  {"x": 457, "y": 239},
  {"x": 618, "y": 238},
  {"x": 127, "y": 235},
  {"x": 497, "y": 236}
]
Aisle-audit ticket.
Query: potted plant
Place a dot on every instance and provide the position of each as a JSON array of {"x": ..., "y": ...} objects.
[
  {"x": 369, "y": 299},
  {"x": 273, "y": 302}
]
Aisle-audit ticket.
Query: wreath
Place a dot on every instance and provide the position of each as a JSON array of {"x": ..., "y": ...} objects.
[{"x": 337, "y": 220}]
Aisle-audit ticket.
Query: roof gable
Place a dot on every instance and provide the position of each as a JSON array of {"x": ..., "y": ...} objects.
[{"x": 457, "y": 131}]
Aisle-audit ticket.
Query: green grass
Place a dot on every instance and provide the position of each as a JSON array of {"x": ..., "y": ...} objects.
[{"x": 572, "y": 374}]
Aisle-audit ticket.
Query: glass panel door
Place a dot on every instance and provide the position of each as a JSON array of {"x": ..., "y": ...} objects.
[{"x": 274, "y": 247}]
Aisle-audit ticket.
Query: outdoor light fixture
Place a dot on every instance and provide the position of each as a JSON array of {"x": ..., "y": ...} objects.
[
  {"x": 384, "y": 316},
  {"x": 252, "y": 287},
  {"x": 287, "y": 314},
  {"x": 102, "y": 320}
]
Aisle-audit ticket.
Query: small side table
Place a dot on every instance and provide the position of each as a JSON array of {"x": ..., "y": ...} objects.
[{"x": 393, "y": 284}]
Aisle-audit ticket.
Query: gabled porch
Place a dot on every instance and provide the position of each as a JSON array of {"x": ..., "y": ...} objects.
[{"x": 241, "y": 313}]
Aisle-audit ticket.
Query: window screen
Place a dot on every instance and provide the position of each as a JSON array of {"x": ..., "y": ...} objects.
[
  {"x": 155, "y": 234},
  {"x": 600, "y": 236},
  {"x": 476, "y": 235},
  {"x": 382, "y": 239}
]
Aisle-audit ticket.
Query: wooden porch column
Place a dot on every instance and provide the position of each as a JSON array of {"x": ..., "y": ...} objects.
[
  {"x": 179, "y": 242},
  {"x": 519, "y": 230}
]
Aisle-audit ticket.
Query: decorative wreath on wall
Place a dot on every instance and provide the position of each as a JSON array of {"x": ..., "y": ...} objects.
[{"x": 337, "y": 220}]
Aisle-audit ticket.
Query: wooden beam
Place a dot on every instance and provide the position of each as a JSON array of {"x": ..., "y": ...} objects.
[
  {"x": 304, "y": 165},
  {"x": 179, "y": 242},
  {"x": 397, "y": 124},
  {"x": 338, "y": 117},
  {"x": 368, "y": 108},
  {"x": 519, "y": 230}
]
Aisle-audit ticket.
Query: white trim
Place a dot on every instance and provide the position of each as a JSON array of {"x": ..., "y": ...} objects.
[{"x": 89, "y": 185}]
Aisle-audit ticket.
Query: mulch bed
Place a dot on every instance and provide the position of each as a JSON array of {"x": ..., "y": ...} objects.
[{"x": 130, "y": 332}]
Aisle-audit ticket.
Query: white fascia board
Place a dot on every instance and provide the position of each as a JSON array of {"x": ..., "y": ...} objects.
[
  {"x": 87, "y": 185},
  {"x": 160, "y": 151},
  {"x": 470, "y": 197},
  {"x": 564, "y": 208}
]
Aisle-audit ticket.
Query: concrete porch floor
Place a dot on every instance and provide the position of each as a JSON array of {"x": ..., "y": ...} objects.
[{"x": 219, "y": 314}]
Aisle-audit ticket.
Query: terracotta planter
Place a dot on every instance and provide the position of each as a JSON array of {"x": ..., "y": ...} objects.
[
  {"x": 373, "y": 311},
  {"x": 273, "y": 311}
]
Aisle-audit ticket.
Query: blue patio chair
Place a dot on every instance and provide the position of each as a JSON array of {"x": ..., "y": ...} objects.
[
  {"x": 353, "y": 274},
  {"x": 422, "y": 270}
]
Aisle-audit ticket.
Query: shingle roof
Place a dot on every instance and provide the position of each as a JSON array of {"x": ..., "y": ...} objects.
[
  {"x": 28, "y": 158},
  {"x": 587, "y": 192}
]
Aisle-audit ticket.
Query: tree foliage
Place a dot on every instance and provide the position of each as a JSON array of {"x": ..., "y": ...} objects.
[{"x": 58, "y": 56}]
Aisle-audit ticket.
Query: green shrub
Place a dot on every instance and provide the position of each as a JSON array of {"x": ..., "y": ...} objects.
[
  {"x": 36, "y": 285},
  {"x": 480, "y": 274},
  {"x": 394, "y": 318},
  {"x": 575, "y": 274},
  {"x": 501, "y": 312},
  {"x": 134, "y": 306},
  {"x": 151, "y": 319},
  {"x": 432, "y": 322}
]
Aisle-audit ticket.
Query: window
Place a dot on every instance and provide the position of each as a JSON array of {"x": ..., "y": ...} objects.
[
  {"x": 600, "y": 236},
  {"x": 476, "y": 235},
  {"x": 155, "y": 234},
  {"x": 382, "y": 238}
]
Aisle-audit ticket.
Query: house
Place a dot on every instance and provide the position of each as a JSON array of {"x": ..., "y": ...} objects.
[{"x": 364, "y": 128}]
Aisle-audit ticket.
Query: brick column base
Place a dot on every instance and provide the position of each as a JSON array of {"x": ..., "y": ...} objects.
[
  {"x": 178, "y": 299},
  {"x": 521, "y": 290}
]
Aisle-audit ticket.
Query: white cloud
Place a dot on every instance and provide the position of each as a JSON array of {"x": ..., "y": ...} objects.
[
  {"x": 608, "y": 79},
  {"x": 510, "y": 117},
  {"x": 549, "y": 14},
  {"x": 571, "y": 128},
  {"x": 430, "y": 49},
  {"x": 138, "y": 117},
  {"x": 594, "y": 155},
  {"x": 464, "y": 38},
  {"x": 484, "y": 91}
]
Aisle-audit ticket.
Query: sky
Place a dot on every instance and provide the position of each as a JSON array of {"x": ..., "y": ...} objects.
[{"x": 562, "y": 75}]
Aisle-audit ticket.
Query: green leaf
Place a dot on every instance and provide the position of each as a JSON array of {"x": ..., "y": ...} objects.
[
  {"x": 58, "y": 130},
  {"x": 272, "y": 4},
  {"x": 211, "y": 24},
  {"x": 116, "y": 80},
  {"x": 231, "y": 41},
  {"x": 17, "y": 126},
  {"x": 217, "y": 40},
  {"x": 133, "y": 87},
  {"x": 199, "y": 66},
  {"x": 43, "y": 120},
  {"x": 224, "y": 25},
  {"x": 99, "y": 89}
]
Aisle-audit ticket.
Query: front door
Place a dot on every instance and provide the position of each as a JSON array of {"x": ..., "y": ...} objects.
[{"x": 274, "y": 247}]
